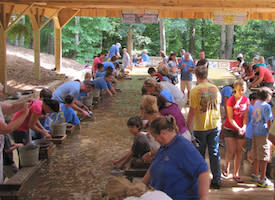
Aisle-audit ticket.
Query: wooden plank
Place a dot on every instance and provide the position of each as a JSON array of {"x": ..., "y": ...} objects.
[
  {"x": 3, "y": 59},
  {"x": 58, "y": 47},
  {"x": 24, "y": 174},
  {"x": 36, "y": 50},
  {"x": 25, "y": 10}
]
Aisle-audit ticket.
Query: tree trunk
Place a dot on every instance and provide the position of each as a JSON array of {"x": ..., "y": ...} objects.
[
  {"x": 203, "y": 35},
  {"x": 162, "y": 35},
  {"x": 76, "y": 36},
  {"x": 130, "y": 42},
  {"x": 50, "y": 39},
  {"x": 192, "y": 33},
  {"x": 223, "y": 42},
  {"x": 22, "y": 38},
  {"x": 76, "y": 21},
  {"x": 229, "y": 41}
]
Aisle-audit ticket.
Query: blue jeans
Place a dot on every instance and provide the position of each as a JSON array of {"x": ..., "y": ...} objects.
[{"x": 210, "y": 138}]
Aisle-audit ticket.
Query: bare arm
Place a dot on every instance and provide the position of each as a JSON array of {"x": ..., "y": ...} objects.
[
  {"x": 147, "y": 178},
  {"x": 8, "y": 128},
  {"x": 113, "y": 91},
  {"x": 124, "y": 159},
  {"x": 13, "y": 147},
  {"x": 224, "y": 105},
  {"x": 190, "y": 117},
  {"x": 33, "y": 124},
  {"x": 257, "y": 81},
  {"x": 203, "y": 185},
  {"x": 109, "y": 92},
  {"x": 12, "y": 108}
]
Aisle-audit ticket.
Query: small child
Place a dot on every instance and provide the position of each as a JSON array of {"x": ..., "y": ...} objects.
[
  {"x": 248, "y": 133},
  {"x": 9, "y": 166},
  {"x": 100, "y": 71},
  {"x": 69, "y": 113},
  {"x": 139, "y": 148},
  {"x": 261, "y": 122},
  {"x": 153, "y": 73}
]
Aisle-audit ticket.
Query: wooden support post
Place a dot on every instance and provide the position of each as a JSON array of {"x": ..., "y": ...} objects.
[
  {"x": 5, "y": 15},
  {"x": 58, "y": 47},
  {"x": 60, "y": 20},
  {"x": 3, "y": 59},
  {"x": 36, "y": 50}
]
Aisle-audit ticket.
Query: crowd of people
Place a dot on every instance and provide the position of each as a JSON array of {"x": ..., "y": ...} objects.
[
  {"x": 177, "y": 146},
  {"x": 170, "y": 147}
]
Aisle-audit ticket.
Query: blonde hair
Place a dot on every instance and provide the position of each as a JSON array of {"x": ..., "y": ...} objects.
[
  {"x": 87, "y": 76},
  {"x": 239, "y": 82},
  {"x": 150, "y": 82},
  {"x": 122, "y": 187},
  {"x": 261, "y": 59},
  {"x": 163, "y": 70},
  {"x": 149, "y": 104},
  {"x": 163, "y": 123}
]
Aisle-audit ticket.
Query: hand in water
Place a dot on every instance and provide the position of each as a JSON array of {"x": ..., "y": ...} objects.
[
  {"x": 48, "y": 136},
  {"x": 86, "y": 114}
]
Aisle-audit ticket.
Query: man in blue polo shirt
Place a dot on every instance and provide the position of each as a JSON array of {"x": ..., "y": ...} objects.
[
  {"x": 105, "y": 84},
  {"x": 74, "y": 88},
  {"x": 186, "y": 66},
  {"x": 114, "y": 51}
]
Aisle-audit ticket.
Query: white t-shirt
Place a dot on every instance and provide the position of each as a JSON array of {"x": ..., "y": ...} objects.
[
  {"x": 176, "y": 92},
  {"x": 151, "y": 195}
]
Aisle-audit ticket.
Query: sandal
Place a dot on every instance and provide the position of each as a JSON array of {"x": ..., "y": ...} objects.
[
  {"x": 238, "y": 179},
  {"x": 225, "y": 173}
]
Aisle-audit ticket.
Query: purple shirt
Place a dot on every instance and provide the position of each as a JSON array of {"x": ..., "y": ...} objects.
[{"x": 174, "y": 110}]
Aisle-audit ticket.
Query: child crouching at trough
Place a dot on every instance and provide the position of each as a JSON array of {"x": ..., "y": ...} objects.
[
  {"x": 139, "y": 148},
  {"x": 68, "y": 112}
]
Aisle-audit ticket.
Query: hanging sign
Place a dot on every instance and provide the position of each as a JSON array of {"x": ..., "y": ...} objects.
[
  {"x": 230, "y": 18},
  {"x": 132, "y": 17}
]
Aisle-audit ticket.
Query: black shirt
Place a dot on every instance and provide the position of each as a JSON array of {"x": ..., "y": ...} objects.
[{"x": 140, "y": 146}]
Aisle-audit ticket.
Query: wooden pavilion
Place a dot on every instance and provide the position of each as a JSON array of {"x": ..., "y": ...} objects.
[{"x": 41, "y": 12}]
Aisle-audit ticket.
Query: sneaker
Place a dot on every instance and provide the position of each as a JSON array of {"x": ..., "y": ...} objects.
[
  {"x": 214, "y": 185},
  {"x": 266, "y": 183},
  {"x": 255, "y": 178}
]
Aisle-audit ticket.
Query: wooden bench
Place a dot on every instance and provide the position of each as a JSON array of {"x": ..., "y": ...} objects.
[{"x": 14, "y": 186}]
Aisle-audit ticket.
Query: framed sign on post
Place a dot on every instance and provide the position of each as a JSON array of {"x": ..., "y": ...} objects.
[
  {"x": 139, "y": 18},
  {"x": 230, "y": 18}
]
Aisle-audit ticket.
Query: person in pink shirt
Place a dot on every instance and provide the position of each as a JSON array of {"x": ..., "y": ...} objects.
[
  {"x": 98, "y": 59},
  {"x": 265, "y": 77},
  {"x": 235, "y": 128},
  {"x": 38, "y": 107}
]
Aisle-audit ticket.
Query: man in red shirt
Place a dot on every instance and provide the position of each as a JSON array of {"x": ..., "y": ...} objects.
[{"x": 264, "y": 78}]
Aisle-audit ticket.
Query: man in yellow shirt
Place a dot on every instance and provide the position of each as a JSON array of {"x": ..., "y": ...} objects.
[{"x": 204, "y": 115}]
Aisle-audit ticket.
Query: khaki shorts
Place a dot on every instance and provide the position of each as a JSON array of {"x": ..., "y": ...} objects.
[
  {"x": 185, "y": 85},
  {"x": 261, "y": 148}
]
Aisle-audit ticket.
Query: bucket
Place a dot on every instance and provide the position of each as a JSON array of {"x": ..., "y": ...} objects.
[
  {"x": 87, "y": 100},
  {"x": 29, "y": 155},
  {"x": 59, "y": 125},
  {"x": 59, "y": 128},
  {"x": 96, "y": 92}
]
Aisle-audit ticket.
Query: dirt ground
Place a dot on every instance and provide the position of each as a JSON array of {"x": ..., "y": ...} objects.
[{"x": 20, "y": 69}]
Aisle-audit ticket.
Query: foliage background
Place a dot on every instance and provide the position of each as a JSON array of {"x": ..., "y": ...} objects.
[{"x": 98, "y": 34}]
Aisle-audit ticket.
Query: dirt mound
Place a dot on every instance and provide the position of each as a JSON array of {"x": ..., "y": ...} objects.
[{"x": 20, "y": 69}]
